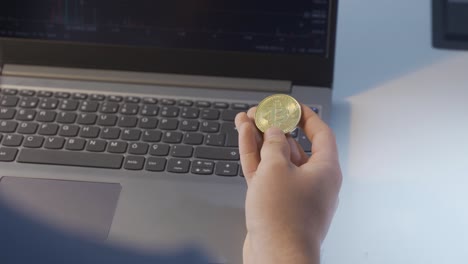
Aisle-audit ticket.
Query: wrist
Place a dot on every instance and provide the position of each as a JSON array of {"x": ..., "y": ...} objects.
[{"x": 283, "y": 246}]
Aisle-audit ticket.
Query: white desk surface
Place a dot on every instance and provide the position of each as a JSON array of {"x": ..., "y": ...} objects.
[{"x": 401, "y": 119}]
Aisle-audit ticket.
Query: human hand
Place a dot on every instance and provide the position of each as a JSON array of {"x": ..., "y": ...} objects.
[{"x": 291, "y": 198}]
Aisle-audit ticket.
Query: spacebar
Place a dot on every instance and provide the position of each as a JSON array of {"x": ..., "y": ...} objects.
[{"x": 80, "y": 159}]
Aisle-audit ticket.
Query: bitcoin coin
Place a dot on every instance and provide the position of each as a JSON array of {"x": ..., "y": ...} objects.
[{"x": 279, "y": 110}]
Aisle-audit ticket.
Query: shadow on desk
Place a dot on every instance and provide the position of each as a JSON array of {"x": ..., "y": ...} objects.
[{"x": 341, "y": 124}]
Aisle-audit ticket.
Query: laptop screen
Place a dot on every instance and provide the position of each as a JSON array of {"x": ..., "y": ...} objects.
[
  {"x": 262, "y": 26},
  {"x": 450, "y": 20}
]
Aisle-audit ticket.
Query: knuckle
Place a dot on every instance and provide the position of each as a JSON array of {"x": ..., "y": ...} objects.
[{"x": 275, "y": 140}]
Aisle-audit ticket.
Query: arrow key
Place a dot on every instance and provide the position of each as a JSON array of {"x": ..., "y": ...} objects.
[
  {"x": 178, "y": 165},
  {"x": 203, "y": 167}
]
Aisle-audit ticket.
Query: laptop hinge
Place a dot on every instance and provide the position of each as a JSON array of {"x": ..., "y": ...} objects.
[{"x": 179, "y": 80}]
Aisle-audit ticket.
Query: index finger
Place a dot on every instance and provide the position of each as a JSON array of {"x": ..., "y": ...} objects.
[{"x": 320, "y": 134}]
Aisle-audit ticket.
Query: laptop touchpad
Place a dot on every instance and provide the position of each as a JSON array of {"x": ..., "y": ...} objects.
[{"x": 85, "y": 208}]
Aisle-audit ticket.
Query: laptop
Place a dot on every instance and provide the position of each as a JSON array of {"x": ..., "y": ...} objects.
[{"x": 116, "y": 117}]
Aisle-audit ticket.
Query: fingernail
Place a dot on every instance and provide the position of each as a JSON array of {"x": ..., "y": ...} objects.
[{"x": 273, "y": 132}]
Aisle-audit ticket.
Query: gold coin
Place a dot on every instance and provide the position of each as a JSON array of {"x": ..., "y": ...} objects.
[{"x": 279, "y": 110}]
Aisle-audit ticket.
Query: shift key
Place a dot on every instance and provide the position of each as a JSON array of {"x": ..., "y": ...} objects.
[{"x": 217, "y": 153}]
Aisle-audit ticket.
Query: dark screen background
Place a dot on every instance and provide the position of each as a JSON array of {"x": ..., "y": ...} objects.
[
  {"x": 291, "y": 27},
  {"x": 457, "y": 19}
]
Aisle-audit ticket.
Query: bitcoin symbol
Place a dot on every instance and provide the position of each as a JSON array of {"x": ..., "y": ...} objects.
[{"x": 276, "y": 114}]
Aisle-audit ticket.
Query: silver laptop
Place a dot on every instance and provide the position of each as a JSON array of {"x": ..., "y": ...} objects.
[{"x": 116, "y": 117}]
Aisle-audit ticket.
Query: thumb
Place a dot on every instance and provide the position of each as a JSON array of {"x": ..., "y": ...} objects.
[{"x": 275, "y": 146}]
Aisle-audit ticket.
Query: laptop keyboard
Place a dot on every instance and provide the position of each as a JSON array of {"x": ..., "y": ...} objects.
[{"x": 122, "y": 132}]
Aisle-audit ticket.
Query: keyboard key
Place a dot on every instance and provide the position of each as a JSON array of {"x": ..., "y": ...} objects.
[
  {"x": 155, "y": 164},
  {"x": 54, "y": 143},
  {"x": 110, "y": 133},
  {"x": 8, "y": 154},
  {"x": 48, "y": 103},
  {"x": 33, "y": 142},
  {"x": 185, "y": 103},
  {"x": 230, "y": 115},
  {"x": 87, "y": 119},
  {"x": 109, "y": 108},
  {"x": 304, "y": 141},
  {"x": 215, "y": 140},
  {"x": 181, "y": 151},
  {"x": 149, "y": 110},
  {"x": 203, "y": 104},
  {"x": 172, "y": 137},
  {"x": 190, "y": 113},
  {"x": 129, "y": 109},
  {"x": 9, "y": 101},
  {"x": 69, "y": 105},
  {"x": 209, "y": 127},
  {"x": 226, "y": 169},
  {"x": 210, "y": 114},
  {"x": 189, "y": 125},
  {"x": 8, "y": 126},
  {"x": 62, "y": 95},
  {"x": 97, "y": 97},
  {"x": 80, "y": 159},
  {"x": 168, "y": 101},
  {"x": 29, "y": 102},
  {"x": 132, "y": 99},
  {"x": 48, "y": 129},
  {"x": 131, "y": 134},
  {"x": 240, "y": 106},
  {"x": 169, "y": 111},
  {"x": 9, "y": 91},
  {"x": 27, "y": 93},
  {"x": 79, "y": 96},
  {"x": 46, "y": 116},
  {"x": 75, "y": 144},
  {"x": 138, "y": 148},
  {"x": 90, "y": 132},
  {"x": 66, "y": 118},
  {"x": 96, "y": 145},
  {"x": 134, "y": 163},
  {"x": 26, "y": 115},
  {"x": 203, "y": 167},
  {"x": 178, "y": 165},
  {"x": 220, "y": 105},
  {"x": 152, "y": 136},
  {"x": 115, "y": 98},
  {"x": 107, "y": 120},
  {"x": 215, "y": 153},
  {"x": 148, "y": 123},
  {"x": 117, "y": 147},
  {"x": 7, "y": 113},
  {"x": 128, "y": 121},
  {"x": 168, "y": 124},
  {"x": 232, "y": 136},
  {"x": 89, "y": 106},
  {"x": 28, "y": 128},
  {"x": 69, "y": 130},
  {"x": 150, "y": 100},
  {"x": 44, "y": 94},
  {"x": 159, "y": 150},
  {"x": 12, "y": 140},
  {"x": 295, "y": 133},
  {"x": 193, "y": 139}
]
